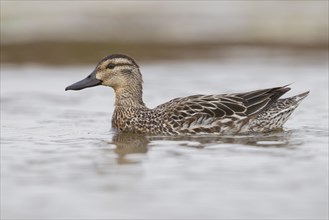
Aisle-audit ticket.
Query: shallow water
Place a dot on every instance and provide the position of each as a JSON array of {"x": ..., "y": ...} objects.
[{"x": 59, "y": 158}]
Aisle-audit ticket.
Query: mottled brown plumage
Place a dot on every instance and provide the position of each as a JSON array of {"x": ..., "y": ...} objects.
[{"x": 255, "y": 111}]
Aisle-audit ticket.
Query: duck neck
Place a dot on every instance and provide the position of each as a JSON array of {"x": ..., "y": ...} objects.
[{"x": 131, "y": 97}]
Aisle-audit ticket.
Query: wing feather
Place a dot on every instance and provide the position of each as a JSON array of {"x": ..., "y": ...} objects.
[{"x": 202, "y": 109}]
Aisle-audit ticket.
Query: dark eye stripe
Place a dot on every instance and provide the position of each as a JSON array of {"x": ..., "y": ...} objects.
[
  {"x": 112, "y": 65},
  {"x": 123, "y": 64}
]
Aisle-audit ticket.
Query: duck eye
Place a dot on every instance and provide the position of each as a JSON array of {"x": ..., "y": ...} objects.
[{"x": 110, "y": 66}]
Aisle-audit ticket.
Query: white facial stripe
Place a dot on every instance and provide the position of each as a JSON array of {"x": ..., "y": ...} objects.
[
  {"x": 122, "y": 61},
  {"x": 123, "y": 68}
]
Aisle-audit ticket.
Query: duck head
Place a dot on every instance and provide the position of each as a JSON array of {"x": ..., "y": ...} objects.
[{"x": 117, "y": 71}]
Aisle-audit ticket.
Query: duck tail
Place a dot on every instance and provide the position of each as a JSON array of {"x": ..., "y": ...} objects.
[
  {"x": 300, "y": 97},
  {"x": 275, "y": 117}
]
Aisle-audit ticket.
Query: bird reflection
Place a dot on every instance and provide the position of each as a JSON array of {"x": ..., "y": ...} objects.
[
  {"x": 278, "y": 138},
  {"x": 128, "y": 143}
]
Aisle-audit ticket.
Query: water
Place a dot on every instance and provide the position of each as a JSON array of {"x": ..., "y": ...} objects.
[{"x": 59, "y": 158}]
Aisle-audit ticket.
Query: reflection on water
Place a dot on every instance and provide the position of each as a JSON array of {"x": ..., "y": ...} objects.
[
  {"x": 129, "y": 143},
  {"x": 274, "y": 139},
  {"x": 56, "y": 149}
]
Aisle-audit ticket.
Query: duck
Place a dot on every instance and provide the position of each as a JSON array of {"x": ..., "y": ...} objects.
[{"x": 255, "y": 111}]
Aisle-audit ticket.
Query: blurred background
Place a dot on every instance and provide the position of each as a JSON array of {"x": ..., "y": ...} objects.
[
  {"x": 59, "y": 159},
  {"x": 83, "y": 31}
]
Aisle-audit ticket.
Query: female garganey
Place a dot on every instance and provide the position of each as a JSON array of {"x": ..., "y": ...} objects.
[{"x": 255, "y": 111}]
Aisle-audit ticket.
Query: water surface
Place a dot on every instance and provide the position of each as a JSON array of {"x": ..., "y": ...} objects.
[{"x": 59, "y": 158}]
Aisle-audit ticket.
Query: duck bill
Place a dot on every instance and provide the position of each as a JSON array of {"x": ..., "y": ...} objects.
[{"x": 89, "y": 81}]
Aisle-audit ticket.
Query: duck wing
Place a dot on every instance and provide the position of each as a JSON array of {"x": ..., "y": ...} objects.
[
  {"x": 259, "y": 101},
  {"x": 204, "y": 110}
]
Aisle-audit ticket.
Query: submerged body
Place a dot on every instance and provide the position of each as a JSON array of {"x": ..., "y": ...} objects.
[{"x": 255, "y": 111}]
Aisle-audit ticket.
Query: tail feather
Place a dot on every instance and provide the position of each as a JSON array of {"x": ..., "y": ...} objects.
[
  {"x": 278, "y": 113},
  {"x": 300, "y": 97}
]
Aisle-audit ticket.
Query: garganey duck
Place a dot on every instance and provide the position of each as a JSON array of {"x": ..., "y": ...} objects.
[{"x": 255, "y": 111}]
